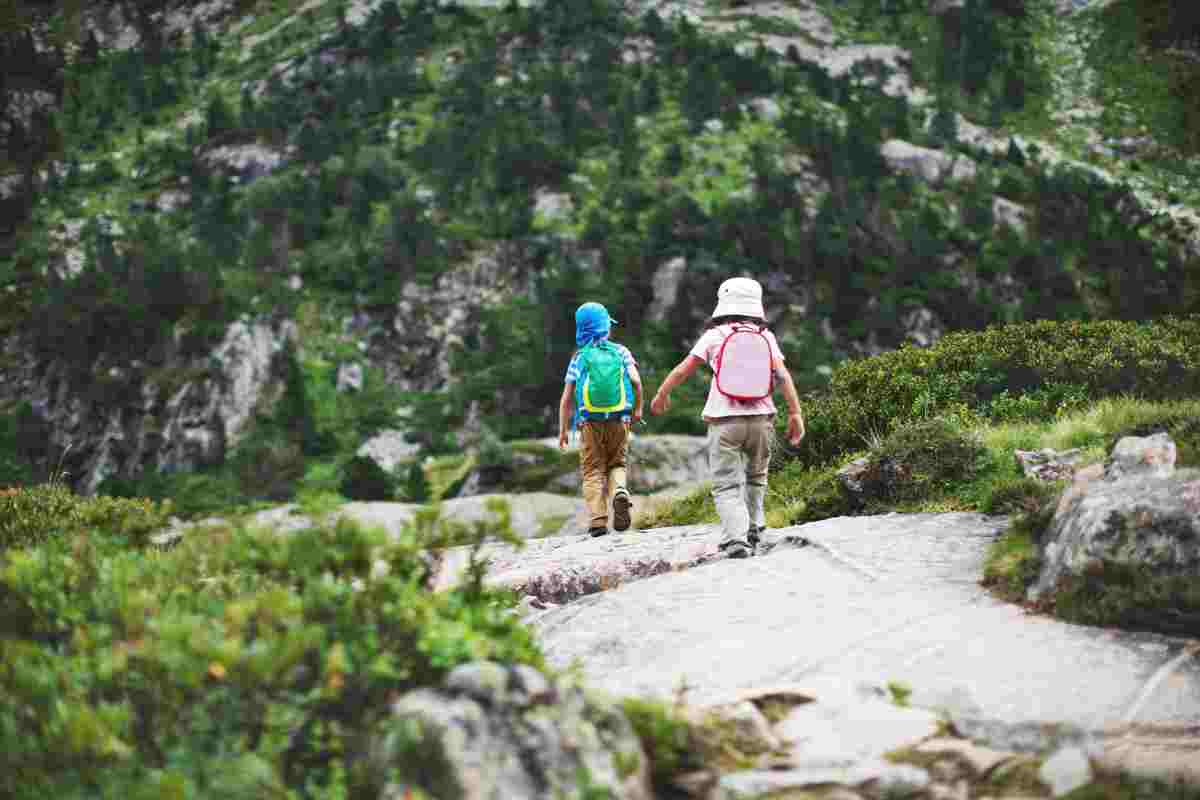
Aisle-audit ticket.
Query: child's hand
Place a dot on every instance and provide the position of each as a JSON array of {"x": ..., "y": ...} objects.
[
  {"x": 660, "y": 404},
  {"x": 795, "y": 429},
  {"x": 562, "y": 440},
  {"x": 636, "y": 416}
]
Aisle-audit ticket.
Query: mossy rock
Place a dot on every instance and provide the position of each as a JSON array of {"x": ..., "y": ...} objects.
[{"x": 1182, "y": 427}]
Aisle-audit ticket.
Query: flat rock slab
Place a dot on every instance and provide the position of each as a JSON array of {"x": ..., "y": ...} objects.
[
  {"x": 875, "y": 599},
  {"x": 564, "y": 568}
]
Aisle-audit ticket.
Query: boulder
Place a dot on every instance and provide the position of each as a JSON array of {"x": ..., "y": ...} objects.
[
  {"x": 1138, "y": 513},
  {"x": 934, "y": 166},
  {"x": 494, "y": 732},
  {"x": 1149, "y": 455},
  {"x": 350, "y": 377},
  {"x": 389, "y": 448}
]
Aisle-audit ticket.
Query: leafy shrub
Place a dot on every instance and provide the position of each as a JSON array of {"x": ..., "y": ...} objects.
[
  {"x": 364, "y": 479},
  {"x": 1129, "y": 597},
  {"x": 1018, "y": 495},
  {"x": 192, "y": 494},
  {"x": 268, "y": 469},
  {"x": 921, "y": 459},
  {"x": 1014, "y": 559},
  {"x": 1063, "y": 363},
  {"x": 239, "y": 664},
  {"x": 666, "y": 737},
  {"x": 29, "y": 516}
]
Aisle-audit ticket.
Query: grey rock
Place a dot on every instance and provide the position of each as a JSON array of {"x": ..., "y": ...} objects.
[
  {"x": 922, "y": 326},
  {"x": 193, "y": 424},
  {"x": 981, "y": 759},
  {"x": 1150, "y": 455},
  {"x": 483, "y": 681},
  {"x": 1027, "y": 736},
  {"x": 848, "y": 730},
  {"x": 350, "y": 377},
  {"x": 666, "y": 282},
  {"x": 1146, "y": 522},
  {"x": 447, "y": 744},
  {"x": 750, "y": 728},
  {"x": 935, "y": 166},
  {"x": 1066, "y": 770},
  {"x": 881, "y": 776},
  {"x": 1011, "y": 215},
  {"x": 553, "y": 205},
  {"x": 389, "y": 448},
  {"x": 1047, "y": 464}
]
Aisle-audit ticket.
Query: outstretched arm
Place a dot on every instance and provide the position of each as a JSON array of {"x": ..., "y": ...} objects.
[{"x": 683, "y": 370}]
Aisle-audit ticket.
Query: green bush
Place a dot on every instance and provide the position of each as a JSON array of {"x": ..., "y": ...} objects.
[
  {"x": 268, "y": 470},
  {"x": 984, "y": 373},
  {"x": 922, "y": 459},
  {"x": 1018, "y": 495},
  {"x": 1129, "y": 597},
  {"x": 364, "y": 479},
  {"x": 666, "y": 737},
  {"x": 238, "y": 664}
]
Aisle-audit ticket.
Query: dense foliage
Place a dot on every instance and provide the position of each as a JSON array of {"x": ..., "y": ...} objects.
[
  {"x": 420, "y": 138},
  {"x": 237, "y": 664},
  {"x": 1012, "y": 372}
]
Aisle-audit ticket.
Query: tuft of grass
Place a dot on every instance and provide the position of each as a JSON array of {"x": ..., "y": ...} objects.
[{"x": 694, "y": 508}]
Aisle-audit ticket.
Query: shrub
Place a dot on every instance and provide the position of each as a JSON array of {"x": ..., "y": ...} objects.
[
  {"x": 666, "y": 737},
  {"x": 922, "y": 459},
  {"x": 269, "y": 469},
  {"x": 1129, "y": 597},
  {"x": 1018, "y": 496},
  {"x": 1062, "y": 364},
  {"x": 239, "y": 664},
  {"x": 364, "y": 479}
]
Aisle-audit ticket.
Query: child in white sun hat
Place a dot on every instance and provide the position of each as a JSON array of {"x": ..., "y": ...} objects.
[{"x": 747, "y": 363}]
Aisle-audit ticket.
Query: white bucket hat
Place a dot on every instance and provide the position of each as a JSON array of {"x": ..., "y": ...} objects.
[{"x": 740, "y": 297}]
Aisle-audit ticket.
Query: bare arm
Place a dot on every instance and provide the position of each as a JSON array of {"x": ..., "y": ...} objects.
[
  {"x": 795, "y": 416},
  {"x": 564, "y": 411},
  {"x": 635, "y": 378},
  {"x": 683, "y": 370}
]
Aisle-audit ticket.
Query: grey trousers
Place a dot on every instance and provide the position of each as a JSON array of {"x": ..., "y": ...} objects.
[{"x": 739, "y": 453}]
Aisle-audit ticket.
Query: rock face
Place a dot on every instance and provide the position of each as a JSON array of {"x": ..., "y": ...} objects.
[
  {"x": 151, "y": 425},
  {"x": 1139, "y": 513},
  {"x": 497, "y": 733}
]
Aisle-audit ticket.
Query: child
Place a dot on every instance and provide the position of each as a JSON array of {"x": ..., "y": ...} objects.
[
  {"x": 746, "y": 360},
  {"x": 605, "y": 390}
]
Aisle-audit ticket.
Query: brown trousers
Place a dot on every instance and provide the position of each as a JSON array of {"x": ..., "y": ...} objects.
[{"x": 603, "y": 448}]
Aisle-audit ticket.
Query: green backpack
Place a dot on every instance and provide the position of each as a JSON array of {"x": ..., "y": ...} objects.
[{"x": 604, "y": 388}]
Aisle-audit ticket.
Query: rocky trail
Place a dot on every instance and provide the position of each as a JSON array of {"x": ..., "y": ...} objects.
[{"x": 835, "y": 612}]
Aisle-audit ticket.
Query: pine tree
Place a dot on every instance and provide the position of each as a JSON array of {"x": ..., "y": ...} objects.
[
  {"x": 1014, "y": 154},
  {"x": 944, "y": 126}
]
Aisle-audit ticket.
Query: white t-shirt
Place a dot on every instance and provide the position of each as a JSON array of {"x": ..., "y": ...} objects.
[{"x": 718, "y": 405}]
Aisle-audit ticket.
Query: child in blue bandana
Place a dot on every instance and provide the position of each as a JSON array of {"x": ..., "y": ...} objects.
[{"x": 604, "y": 390}]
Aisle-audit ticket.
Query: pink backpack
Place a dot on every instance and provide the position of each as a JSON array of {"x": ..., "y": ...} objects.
[{"x": 744, "y": 365}]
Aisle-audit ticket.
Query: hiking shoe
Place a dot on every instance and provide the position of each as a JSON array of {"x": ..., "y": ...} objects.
[
  {"x": 735, "y": 548},
  {"x": 594, "y": 532},
  {"x": 621, "y": 506},
  {"x": 755, "y": 535}
]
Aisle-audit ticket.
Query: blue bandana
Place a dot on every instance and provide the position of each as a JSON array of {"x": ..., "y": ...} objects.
[{"x": 592, "y": 324}]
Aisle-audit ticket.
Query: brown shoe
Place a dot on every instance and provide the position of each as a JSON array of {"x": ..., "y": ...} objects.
[{"x": 621, "y": 506}]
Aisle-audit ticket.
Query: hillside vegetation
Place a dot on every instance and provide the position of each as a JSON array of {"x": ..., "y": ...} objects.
[{"x": 410, "y": 138}]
